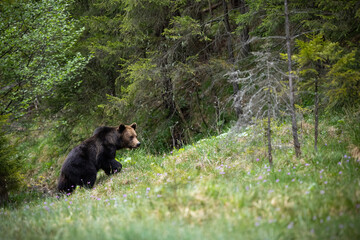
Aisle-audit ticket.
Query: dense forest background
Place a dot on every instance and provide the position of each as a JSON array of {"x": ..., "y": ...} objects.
[{"x": 181, "y": 69}]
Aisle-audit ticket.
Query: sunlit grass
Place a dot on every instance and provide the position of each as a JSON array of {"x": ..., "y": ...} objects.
[{"x": 221, "y": 187}]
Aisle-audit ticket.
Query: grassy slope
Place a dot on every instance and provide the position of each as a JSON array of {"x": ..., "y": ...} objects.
[{"x": 221, "y": 187}]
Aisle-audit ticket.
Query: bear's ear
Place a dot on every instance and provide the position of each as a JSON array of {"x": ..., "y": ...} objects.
[
  {"x": 133, "y": 126},
  {"x": 121, "y": 128}
]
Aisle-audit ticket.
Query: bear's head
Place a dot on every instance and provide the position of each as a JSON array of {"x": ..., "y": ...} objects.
[{"x": 128, "y": 136}]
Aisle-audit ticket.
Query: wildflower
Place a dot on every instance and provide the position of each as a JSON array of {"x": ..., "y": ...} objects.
[
  {"x": 286, "y": 186},
  {"x": 288, "y": 173},
  {"x": 159, "y": 196},
  {"x": 257, "y": 224},
  {"x": 277, "y": 180},
  {"x": 265, "y": 180},
  {"x": 270, "y": 191},
  {"x": 268, "y": 169},
  {"x": 293, "y": 180},
  {"x": 257, "y": 159},
  {"x": 260, "y": 177},
  {"x": 306, "y": 164},
  {"x": 326, "y": 182},
  {"x": 291, "y": 225},
  {"x": 345, "y": 156},
  {"x": 321, "y": 176},
  {"x": 124, "y": 195},
  {"x": 307, "y": 192},
  {"x": 222, "y": 172},
  {"x": 294, "y": 167},
  {"x": 147, "y": 189},
  {"x": 279, "y": 170},
  {"x": 45, "y": 203},
  {"x": 325, "y": 144},
  {"x": 339, "y": 163},
  {"x": 322, "y": 192},
  {"x": 340, "y": 172}
]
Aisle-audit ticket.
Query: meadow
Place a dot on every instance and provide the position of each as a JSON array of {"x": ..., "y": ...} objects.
[{"x": 221, "y": 187}]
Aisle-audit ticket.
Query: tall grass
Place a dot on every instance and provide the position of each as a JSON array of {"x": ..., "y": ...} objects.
[{"x": 218, "y": 188}]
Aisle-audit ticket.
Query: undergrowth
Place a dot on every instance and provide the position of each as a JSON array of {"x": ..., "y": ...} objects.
[{"x": 217, "y": 188}]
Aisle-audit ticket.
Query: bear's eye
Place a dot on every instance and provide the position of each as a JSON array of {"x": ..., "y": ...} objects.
[{"x": 131, "y": 137}]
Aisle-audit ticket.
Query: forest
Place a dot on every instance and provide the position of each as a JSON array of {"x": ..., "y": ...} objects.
[{"x": 220, "y": 90}]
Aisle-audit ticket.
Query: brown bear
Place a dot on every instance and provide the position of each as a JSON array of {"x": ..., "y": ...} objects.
[{"x": 95, "y": 153}]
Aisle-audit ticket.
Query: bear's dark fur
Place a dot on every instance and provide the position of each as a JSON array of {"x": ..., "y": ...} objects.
[{"x": 95, "y": 153}]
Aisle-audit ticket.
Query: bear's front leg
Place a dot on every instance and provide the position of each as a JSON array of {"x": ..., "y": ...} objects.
[
  {"x": 115, "y": 166},
  {"x": 112, "y": 167}
]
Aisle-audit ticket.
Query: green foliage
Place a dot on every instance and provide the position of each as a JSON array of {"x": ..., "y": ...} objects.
[
  {"x": 344, "y": 76},
  {"x": 36, "y": 52},
  {"x": 336, "y": 68},
  {"x": 10, "y": 163}
]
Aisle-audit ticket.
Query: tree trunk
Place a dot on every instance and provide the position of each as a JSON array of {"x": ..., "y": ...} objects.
[
  {"x": 291, "y": 86},
  {"x": 316, "y": 112},
  {"x": 231, "y": 57},
  {"x": 244, "y": 35},
  {"x": 269, "y": 119}
]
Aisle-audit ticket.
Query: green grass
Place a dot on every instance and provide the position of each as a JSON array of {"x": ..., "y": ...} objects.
[{"x": 217, "y": 188}]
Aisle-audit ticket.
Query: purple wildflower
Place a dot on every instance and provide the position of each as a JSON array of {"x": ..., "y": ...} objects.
[{"x": 291, "y": 225}]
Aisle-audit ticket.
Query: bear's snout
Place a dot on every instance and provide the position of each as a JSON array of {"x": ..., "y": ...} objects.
[{"x": 138, "y": 144}]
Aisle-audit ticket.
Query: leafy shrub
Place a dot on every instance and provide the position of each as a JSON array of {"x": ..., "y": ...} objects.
[{"x": 9, "y": 162}]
